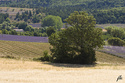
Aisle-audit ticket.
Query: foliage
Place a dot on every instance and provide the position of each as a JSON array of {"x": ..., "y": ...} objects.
[
  {"x": 76, "y": 44},
  {"x": 8, "y": 28},
  {"x": 22, "y": 25},
  {"x": 116, "y": 41},
  {"x": 34, "y": 16},
  {"x": 116, "y": 31},
  {"x": 3, "y": 17},
  {"x": 50, "y": 30},
  {"x": 106, "y": 36},
  {"x": 46, "y": 56},
  {"x": 105, "y": 11},
  {"x": 54, "y": 21},
  {"x": 92, "y": 4}
]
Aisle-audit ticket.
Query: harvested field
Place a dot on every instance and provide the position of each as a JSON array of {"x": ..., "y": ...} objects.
[{"x": 14, "y": 71}]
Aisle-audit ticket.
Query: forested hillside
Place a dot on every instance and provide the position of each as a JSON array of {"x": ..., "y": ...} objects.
[
  {"x": 55, "y": 3},
  {"x": 105, "y": 11}
]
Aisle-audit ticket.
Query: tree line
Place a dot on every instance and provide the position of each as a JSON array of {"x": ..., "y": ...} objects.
[{"x": 34, "y": 16}]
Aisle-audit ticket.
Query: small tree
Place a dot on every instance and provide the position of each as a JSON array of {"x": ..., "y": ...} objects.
[
  {"x": 50, "y": 20},
  {"x": 22, "y": 25},
  {"x": 76, "y": 44}
]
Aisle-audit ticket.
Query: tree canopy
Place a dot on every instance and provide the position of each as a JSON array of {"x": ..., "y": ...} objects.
[
  {"x": 54, "y": 21},
  {"x": 77, "y": 43}
]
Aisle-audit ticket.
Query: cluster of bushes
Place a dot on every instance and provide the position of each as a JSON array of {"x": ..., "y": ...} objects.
[
  {"x": 115, "y": 35},
  {"x": 116, "y": 41},
  {"x": 3, "y": 17},
  {"x": 28, "y": 30}
]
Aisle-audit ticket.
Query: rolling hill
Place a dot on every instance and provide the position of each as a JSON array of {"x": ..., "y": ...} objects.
[
  {"x": 105, "y": 11},
  {"x": 30, "y": 50},
  {"x": 56, "y": 3}
]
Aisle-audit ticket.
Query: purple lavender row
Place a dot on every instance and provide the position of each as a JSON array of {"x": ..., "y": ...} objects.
[
  {"x": 115, "y": 50},
  {"x": 23, "y": 38}
]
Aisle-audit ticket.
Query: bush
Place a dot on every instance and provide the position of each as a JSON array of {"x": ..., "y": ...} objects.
[
  {"x": 116, "y": 41},
  {"x": 46, "y": 56}
]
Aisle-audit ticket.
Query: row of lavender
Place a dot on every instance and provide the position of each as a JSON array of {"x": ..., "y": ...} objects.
[
  {"x": 23, "y": 38},
  {"x": 115, "y": 50}
]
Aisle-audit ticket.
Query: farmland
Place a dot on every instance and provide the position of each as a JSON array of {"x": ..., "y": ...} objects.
[
  {"x": 22, "y": 50},
  {"x": 30, "y": 50},
  {"x": 19, "y": 67},
  {"x": 23, "y": 38},
  {"x": 19, "y": 54},
  {"x": 115, "y": 50}
]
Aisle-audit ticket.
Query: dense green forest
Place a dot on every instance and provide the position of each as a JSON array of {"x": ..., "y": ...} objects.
[
  {"x": 55, "y": 3},
  {"x": 105, "y": 11}
]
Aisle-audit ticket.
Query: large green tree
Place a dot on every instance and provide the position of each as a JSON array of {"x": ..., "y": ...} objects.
[
  {"x": 51, "y": 20},
  {"x": 77, "y": 43}
]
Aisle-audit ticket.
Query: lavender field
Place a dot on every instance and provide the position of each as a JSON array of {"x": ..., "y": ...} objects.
[
  {"x": 115, "y": 50},
  {"x": 23, "y": 38}
]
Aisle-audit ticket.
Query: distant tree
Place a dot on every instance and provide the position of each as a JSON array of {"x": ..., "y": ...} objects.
[
  {"x": 22, "y": 25},
  {"x": 50, "y": 30},
  {"x": 77, "y": 43},
  {"x": 36, "y": 34},
  {"x": 35, "y": 19},
  {"x": 29, "y": 28},
  {"x": 50, "y": 20},
  {"x": 17, "y": 15},
  {"x": 116, "y": 31},
  {"x": 4, "y": 31},
  {"x": 116, "y": 41},
  {"x": 13, "y": 32},
  {"x": 30, "y": 13},
  {"x": 8, "y": 20}
]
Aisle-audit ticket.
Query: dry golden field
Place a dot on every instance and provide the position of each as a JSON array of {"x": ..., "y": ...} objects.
[{"x": 20, "y": 71}]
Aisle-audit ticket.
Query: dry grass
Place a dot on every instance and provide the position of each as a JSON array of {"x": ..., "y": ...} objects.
[{"x": 17, "y": 71}]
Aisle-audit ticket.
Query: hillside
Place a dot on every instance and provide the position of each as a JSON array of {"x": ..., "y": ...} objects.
[
  {"x": 24, "y": 50},
  {"x": 55, "y": 3},
  {"x": 105, "y": 11},
  {"x": 30, "y": 50}
]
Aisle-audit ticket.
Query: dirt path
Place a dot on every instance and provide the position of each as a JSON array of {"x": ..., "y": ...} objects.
[{"x": 14, "y": 71}]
